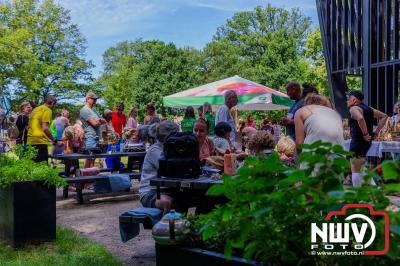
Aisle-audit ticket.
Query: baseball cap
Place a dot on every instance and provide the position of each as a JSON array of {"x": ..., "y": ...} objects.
[
  {"x": 358, "y": 94},
  {"x": 91, "y": 95}
]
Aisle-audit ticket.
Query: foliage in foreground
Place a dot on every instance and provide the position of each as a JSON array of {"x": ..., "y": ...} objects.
[
  {"x": 21, "y": 168},
  {"x": 68, "y": 249},
  {"x": 269, "y": 213}
]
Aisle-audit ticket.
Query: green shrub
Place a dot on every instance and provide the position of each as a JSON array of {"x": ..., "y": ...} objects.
[
  {"x": 269, "y": 213},
  {"x": 20, "y": 167}
]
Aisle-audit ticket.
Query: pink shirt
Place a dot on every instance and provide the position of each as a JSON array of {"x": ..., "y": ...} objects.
[
  {"x": 131, "y": 123},
  {"x": 252, "y": 124},
  {"x": 207, "y": 149}
]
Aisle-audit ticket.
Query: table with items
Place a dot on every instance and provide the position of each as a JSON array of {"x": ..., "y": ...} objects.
[{"x": 71, "y": 161}]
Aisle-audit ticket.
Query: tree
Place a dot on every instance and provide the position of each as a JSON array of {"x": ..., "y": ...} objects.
[
  {"x": 316, "y": 67},
  {"x": 315, "y": 59},
  {"x": 140, "y": 72},
  {"x": 41, "y": 51},
  {"x": 263, "y": 45},
  {"x": 223, "y": 59}
]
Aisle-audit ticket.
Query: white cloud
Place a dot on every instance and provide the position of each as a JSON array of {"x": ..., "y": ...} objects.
[
  {"x": 240, "y": 5},
  {"x": 226, "y": 5},
  {"x": 102, "y": 18},
  {"x": 107, "y": 22},
  {"x": 106, "y": 18}
]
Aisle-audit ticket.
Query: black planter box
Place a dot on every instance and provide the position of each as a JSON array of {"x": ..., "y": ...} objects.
[
  {"x": 27, "y": 213},
  {"x": 179, "y": 255}
]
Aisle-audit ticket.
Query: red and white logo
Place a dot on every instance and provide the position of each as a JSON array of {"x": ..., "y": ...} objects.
[{"x": 334, "y": 236}]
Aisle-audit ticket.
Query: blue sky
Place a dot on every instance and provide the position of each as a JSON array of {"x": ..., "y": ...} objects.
[{"x": 105, "y": 23}]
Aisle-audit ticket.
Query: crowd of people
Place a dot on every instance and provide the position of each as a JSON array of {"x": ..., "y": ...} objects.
[{"x": 311, "y": 117}]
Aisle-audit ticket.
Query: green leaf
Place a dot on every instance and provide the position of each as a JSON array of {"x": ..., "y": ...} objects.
[
  {"x": 227, "y": 215},
  {"x": 228, "y": 251},
  {"x": 262, "y": 211},
  {"x": 341, "y": 162},
  {"x": 390, "y": 170},
  {"x": 250, "y": 249},
  {"x": 237, "y": 243},
  {"x": 332, "y": 184},
  {"x": 393, "y": 253},
  {"x": 392, "y": 187},
  {"x": 216, "y": 190},
  {"x": 208, "y": 232}
]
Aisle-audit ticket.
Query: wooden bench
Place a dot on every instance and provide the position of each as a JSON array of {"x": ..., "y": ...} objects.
[
  {"x": 102, "y": 170},
  {"x": 81, "y": 180}
]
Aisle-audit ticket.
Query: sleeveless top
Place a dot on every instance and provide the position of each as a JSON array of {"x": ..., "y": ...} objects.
[
  {"x": 368, "y": 114},
  {"x": 60, "y": 124},
  {"x": 323, "y": 124}
]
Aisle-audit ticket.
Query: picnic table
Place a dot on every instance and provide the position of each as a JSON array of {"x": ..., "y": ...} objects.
[
  {"x": 189, "y": 192},
  {"x": 200, "y": 183},
  {"x": 75, "y": 156},
  {"x": 71, "y": 159}
]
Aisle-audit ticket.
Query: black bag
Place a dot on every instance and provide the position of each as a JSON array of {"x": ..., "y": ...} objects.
[{"x": 180, "y": 158}]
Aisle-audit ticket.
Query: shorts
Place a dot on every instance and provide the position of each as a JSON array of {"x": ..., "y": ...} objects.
[
  {"x": 149, "y": 199},
  {"x": 91, "y": 143},
  {"x": 43, "y": 153},
  {"x": 360, "y": 147}
]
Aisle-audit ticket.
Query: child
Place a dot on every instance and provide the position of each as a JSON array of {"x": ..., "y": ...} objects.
[
  {"x": 286, "y": 148},
  {"x": 73, "y": 138},
  {"x": 261, "y": 142}
]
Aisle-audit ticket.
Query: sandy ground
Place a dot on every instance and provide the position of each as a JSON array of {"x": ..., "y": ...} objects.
[{"x": 99, "y": 222}]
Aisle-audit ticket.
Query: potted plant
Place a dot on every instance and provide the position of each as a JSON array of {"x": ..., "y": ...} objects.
[
  {"x": 27, "y": 198},
  {"x": 271, "y": 207}
]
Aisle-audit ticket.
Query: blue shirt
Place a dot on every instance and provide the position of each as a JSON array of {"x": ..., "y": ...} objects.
[{"x": 290, "y": 131}]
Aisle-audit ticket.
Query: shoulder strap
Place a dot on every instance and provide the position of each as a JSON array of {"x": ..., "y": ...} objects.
[{"x": 309, "y": 109}]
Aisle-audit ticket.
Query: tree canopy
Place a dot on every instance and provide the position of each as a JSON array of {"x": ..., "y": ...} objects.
[
  {"x": 140, "y": 72},
  {"x": 316, "y": 61},
  {"x": 41, "y": 51},
  {"x": 266, "y": 45}
]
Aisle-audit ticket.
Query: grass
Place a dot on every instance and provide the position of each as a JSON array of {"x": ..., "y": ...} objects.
[{"x": 67, "y": 249}]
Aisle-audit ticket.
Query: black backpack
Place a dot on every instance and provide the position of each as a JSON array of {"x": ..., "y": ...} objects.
[{"x": 180, "y": 158}]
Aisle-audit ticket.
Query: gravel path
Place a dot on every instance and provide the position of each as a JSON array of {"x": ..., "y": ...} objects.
[{"x": 99, "y": 222}]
